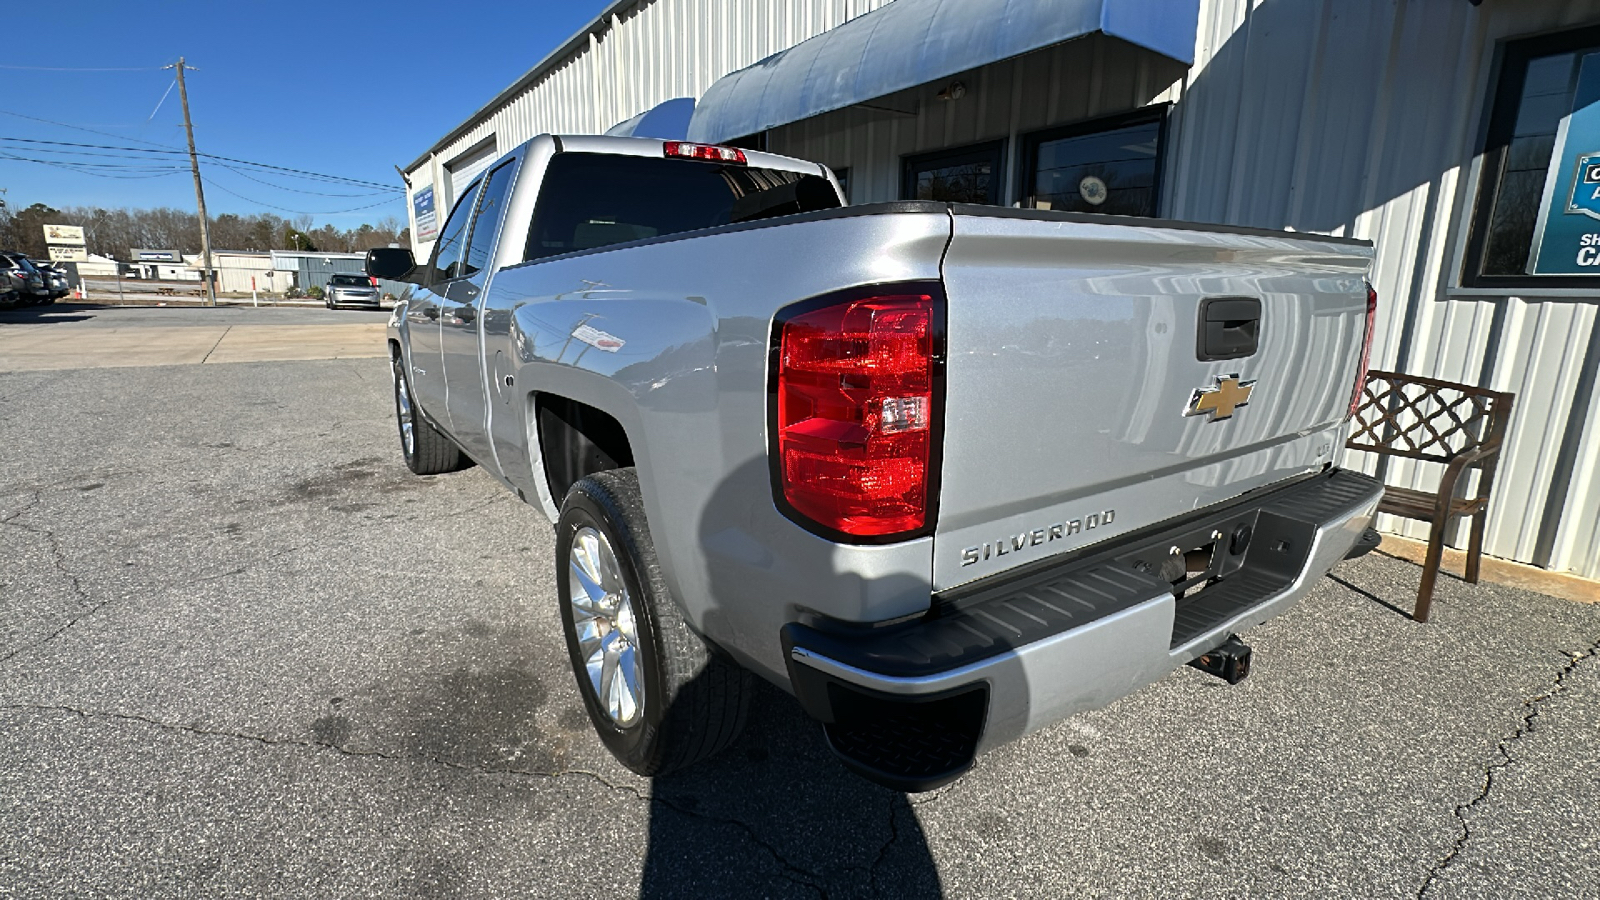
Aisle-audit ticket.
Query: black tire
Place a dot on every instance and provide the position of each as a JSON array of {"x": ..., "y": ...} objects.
[
  {"x": 694, "y": 700},
  {"x": 428, "y": 452}
]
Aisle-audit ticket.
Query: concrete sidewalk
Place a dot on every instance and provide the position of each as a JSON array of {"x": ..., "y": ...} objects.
[{"x": 41, "y": 346}]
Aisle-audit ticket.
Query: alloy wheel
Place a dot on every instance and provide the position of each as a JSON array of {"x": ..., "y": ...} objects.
[{"x": 607, "y": 631}]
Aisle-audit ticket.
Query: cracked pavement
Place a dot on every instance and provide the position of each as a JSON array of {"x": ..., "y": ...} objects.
[{"x": 244, "y": 652}]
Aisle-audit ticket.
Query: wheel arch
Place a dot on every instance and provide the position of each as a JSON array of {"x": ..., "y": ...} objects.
[{"x": 575, "y": 440}]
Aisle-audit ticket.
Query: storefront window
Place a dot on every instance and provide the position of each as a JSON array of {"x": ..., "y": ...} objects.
[
  {"x": 1537, "y": 219},
  {"x": 1106, "y": 166},
  {"x": 843, "y": 175},
  {"x": 965, "y": 175}
]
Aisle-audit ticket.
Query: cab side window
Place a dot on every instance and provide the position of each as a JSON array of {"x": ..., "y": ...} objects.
[
  {"x": 446, "y": 263},
  {"x": 487, "y": 223}
]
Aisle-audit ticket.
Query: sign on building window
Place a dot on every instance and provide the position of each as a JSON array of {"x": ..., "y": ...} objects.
[{"x": 1568, "y": 239}]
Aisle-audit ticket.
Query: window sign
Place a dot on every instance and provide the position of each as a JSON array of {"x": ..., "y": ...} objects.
[
  {"x": 1534, "y": 211},
  {"x": 1568, "y": 240}
]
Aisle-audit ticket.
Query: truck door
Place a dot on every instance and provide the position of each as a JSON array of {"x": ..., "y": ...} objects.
[
  {"x": 460, "y": 325},
  {"x": 423, "y": 312}
]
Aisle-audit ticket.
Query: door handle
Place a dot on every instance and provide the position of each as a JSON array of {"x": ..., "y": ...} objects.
[{"x": 1229, "y": 328}]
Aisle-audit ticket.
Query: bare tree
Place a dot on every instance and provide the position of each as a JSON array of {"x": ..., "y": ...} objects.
[{"x": 117, "y": 232}]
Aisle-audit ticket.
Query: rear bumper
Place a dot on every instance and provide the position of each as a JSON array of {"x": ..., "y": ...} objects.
[{"x": 1008, "y": 657}]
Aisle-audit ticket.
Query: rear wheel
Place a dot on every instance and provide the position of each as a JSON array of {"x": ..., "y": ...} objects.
[
  {"x": 426, "y": 450},
  {"x": 658, "y": 697}
]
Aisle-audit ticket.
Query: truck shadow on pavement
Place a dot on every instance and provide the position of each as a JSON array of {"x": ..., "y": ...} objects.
[{"x": 776, "y": 815}]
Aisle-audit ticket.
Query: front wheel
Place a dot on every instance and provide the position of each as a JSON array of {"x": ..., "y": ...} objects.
[
  {"x": 657, "y": 695},
  {"x": 426, "y": 450}
]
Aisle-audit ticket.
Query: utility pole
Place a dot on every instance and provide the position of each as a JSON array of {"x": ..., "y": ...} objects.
[{"x": 199, "y": 193}]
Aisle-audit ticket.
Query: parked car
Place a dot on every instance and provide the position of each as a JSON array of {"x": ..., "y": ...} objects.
[
  {"x": 947, "y": 473},
  {"x": 35, "y": 289},
  {"x": 55, "y": 278},
  {"x": 13, "y": 283},
  {"x": 351, "y": 289}
]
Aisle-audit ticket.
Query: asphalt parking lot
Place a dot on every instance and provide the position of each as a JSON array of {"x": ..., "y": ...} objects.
[{"x": 243, "y": 652}]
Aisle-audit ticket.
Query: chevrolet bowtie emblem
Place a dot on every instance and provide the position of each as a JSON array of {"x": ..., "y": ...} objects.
[{"x": 1220, "y": 401}]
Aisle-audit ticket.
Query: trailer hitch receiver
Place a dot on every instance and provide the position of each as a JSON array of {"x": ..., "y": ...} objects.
[{"x": 1230, "y": 662}]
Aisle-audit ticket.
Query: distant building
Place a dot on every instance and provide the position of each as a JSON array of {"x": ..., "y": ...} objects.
[
  {"x": 242, "y": 271},
  {"x": 313, "y": 268},
  {"x": 161, "y": 265},
  {"x": 95, "y": 266}
]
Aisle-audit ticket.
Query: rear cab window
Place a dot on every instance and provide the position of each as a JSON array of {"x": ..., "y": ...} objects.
[{"x": 590, "y": 200}]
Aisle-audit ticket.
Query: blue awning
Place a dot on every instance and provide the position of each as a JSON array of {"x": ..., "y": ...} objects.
[{"x": 912, "y": 42}]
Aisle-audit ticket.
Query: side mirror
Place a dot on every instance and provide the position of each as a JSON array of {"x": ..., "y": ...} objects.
[{"x": 393, "y": 264}]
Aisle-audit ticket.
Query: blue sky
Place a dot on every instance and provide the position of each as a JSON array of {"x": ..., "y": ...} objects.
[{"x": 341, "y": 88}]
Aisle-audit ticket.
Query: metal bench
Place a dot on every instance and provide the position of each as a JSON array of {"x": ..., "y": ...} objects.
[{"x": 1458, "y": 425}]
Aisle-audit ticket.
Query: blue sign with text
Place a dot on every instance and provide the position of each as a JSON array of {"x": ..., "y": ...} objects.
[{"x": 427, "y": 218}]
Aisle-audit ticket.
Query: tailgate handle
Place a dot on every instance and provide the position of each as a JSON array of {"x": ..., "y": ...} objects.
[{"x": 1229, "y": 328}]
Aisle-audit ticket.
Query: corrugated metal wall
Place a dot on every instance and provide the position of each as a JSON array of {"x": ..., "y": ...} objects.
[
  {"x": 1363, "y": 119},
  {"x": 651, "y": 53},
  {"x": 1335, "y": 117},
  {"x": 1332, "y": 116}
]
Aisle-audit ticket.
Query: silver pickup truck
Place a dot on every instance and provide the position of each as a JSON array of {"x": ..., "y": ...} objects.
[{"x": 946, "y": 473}]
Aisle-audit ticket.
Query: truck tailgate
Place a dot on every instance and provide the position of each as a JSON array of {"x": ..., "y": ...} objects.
[{"x": 1074, "y": 356}]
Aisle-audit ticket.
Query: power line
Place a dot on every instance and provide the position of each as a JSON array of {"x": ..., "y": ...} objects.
[
  {"x": 78, "y": 152},
  {"x": 303, "y": 212},
  {"x": 82, "y": 69},
  {"x": 159, "y": 103},
  {"x": 305, "y": 173},
  {"x": 168, "y": 149},
  {"x": 284, "y": 187},
  {"x": 78, "y": 167},
  {"x": 241, "y": 173},
  {"x": 89, "y": 130}
]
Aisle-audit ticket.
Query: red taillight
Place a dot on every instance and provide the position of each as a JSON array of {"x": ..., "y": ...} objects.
[
  {"x": 855, "y": 408},
  {"x": 1366, "y": 352},
  {"x": 709, "y": 152}
]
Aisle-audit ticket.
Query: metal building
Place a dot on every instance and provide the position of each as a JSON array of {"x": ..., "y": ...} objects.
[
  {"x": 1449, "y": 132},
  {"x": 306, "y": 269}
]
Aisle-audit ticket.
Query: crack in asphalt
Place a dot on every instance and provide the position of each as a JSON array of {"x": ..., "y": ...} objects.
[
  {"x": 58, "y": 557},
  {"x": 240, "y": 570},
  {"x": 789, "y": 871},
  {"x": 502, "y": 497},
  {"x": 1530, "y": 708},
  {"x": 894, "y": 838},
  {"x": 87, "y": 604}
]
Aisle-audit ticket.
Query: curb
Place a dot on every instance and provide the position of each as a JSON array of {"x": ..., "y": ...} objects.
[{"x": 1499, "y": 571}]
